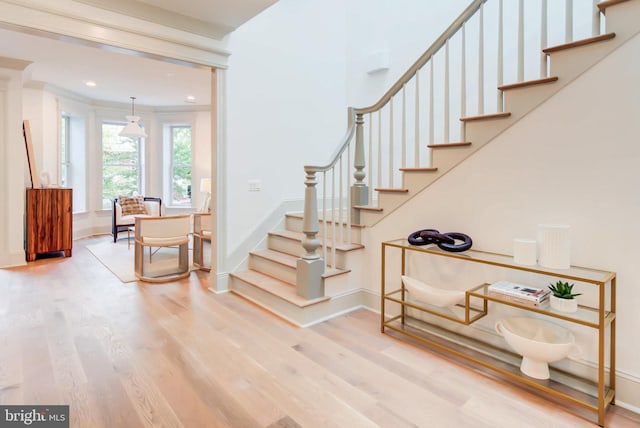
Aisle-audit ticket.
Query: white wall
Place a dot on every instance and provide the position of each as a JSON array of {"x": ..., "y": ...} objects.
[
  {"x": 401, "y": 29},
  {"x": 286, "y": 105},
  {"x": 579, "y": 168}
]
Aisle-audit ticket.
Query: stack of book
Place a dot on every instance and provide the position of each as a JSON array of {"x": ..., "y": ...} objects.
[{"x": 518, "y": 293}]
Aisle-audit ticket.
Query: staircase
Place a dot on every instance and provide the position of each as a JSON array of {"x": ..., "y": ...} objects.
[
  {"x": 350, "y": 208},
  {"x": 270, "y": 280}
]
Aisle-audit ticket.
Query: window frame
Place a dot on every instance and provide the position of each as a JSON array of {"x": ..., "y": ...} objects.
[
  {"x": 140, "y": 141},
  {"x": 64, "y": 165},
  {"x": 173, "y": 164}
]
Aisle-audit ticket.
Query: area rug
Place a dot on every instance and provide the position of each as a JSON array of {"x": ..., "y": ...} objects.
[{"x": 119, "y": 259}]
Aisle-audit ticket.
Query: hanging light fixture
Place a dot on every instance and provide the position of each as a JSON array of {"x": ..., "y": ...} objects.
[{"x": 132, "y": 129}]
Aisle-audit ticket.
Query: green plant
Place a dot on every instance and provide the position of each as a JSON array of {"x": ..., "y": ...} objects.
[{"x": 563, "y": 290}]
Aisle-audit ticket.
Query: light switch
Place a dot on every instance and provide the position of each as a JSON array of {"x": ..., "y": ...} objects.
[{"x": 255, "y": 185}]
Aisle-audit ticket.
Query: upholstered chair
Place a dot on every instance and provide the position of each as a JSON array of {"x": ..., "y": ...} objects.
[{"x": 162, "y": 232}]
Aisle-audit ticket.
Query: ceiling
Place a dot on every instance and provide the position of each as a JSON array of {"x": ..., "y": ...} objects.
[{"x": 118, "y": 76}]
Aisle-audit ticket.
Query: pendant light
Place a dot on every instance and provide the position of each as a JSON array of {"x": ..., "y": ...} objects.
[{"x": 132, "y": 129}]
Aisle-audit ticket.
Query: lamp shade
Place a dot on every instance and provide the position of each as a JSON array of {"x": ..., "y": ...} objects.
[
  {"x": 132, "y": 129},
  {"x": 205, "y": 185}
]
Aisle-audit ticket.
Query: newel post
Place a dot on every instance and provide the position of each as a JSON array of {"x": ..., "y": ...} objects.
[
  {"x": 310, "y": 266},
  {"x": 359, "y": 189}
]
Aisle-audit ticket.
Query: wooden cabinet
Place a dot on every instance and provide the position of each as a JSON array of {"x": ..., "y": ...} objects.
[
  {"x": 49, "y": 222},
  {"x": 592, "y": 393}
]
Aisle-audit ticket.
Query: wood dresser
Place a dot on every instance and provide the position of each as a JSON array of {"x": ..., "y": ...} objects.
[{"x": 49, "y": 222}]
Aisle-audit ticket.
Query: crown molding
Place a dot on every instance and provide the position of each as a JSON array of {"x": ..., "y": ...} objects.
[
  {"x": 66, "y": 20},
  {"x": 167, "y": 18}
]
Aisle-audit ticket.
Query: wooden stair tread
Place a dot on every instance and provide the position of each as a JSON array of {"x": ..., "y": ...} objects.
[
  {"x": 528, "y": 83},
  {"x": 367, "y": 208},
  {"x": 485, "y": 117},
  {"x": 320, "y": 219},
  {"x": 577, "y": 43},
  {"x": 419, "y": 169},
  {"x": 605, "y": 4},
  {"x": 390, "y": 190},
  {"x": 299, "y": 236},
  {"x": 276, "y": 287},
  {"x": 445, "y": 145}
]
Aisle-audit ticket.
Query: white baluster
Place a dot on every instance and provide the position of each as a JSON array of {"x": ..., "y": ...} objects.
[
  {"x": 521, "y": 41},
  {"x": 416, "y": 146},
  {"x": 370, "y": 175},
  {"x": 340, "y": 207},
  {"x": 379, "y": 184},
  {"x": 349, "y": 198},
  {"x": 446, "y": 92},
  {"x": 324, "y": 216},
  {"x": 390, "y": 143},
  {"x": 333, "y": 210},
  {"x": 543, "y": 38},
  {"x": 463, "y": 82},
  {"x": 595, "y": 19},
  {"x": 568, "y": 21},
  {"x": 480, "y": 61},
  {"x": 404, "y": 126},
  {"x": 500, "y": 56},
  {"x": 431, "y": 130}
]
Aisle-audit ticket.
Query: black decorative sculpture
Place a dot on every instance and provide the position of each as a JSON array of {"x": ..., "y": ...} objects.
[{"x": 444, "y": 241}]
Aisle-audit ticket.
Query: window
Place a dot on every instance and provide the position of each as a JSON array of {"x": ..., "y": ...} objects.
[
  {"x": 121, "y": 164},
  {"x": 180, "y": 136},
  {"x": 65, "y": 137}
]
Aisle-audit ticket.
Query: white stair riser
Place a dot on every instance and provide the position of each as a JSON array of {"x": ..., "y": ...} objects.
[
  {"x": 269, "y": 267},
  {"x": 479, "y": 132},
  {"x": 521, "y": 100},
  {"x": 369, "y": 218},
  {"x": 416, "y": 181},
  {"x": 623, "y": 19},
  {"x": 447, "y": 158},
  {"x": 569, "y": 63},
  {"x": 284, "y": 245},
  {"x": 294, "y": 224},
  {"x": 390, "y": 201},
  {"x": 294, "y": 248}
]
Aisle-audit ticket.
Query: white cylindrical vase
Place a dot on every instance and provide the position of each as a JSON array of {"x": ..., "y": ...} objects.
[
  {"x": 524, "y": 251},
  {"x": 554, "y": 244}
]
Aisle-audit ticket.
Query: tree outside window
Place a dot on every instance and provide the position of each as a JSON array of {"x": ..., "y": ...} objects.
[
  {"x": 121, "y": 168},
  {"x": 181, "y": 165}
]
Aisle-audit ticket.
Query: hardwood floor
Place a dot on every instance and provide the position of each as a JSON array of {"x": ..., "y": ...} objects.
[{"x": 177, "y": 355}]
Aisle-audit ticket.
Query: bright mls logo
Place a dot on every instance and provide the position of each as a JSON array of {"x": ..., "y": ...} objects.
[{"x": 34, "y": 416}]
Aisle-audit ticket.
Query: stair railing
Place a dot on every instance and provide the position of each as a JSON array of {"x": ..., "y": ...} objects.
[{"x": 391, "y": 141}]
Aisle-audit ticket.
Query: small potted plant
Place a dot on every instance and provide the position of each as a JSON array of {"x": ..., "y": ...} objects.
[{"x": 563, "y": 298}]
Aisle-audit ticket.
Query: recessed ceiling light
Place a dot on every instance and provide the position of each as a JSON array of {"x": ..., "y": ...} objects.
[
  {"x": 191, "y": 99},
  {"x": 90, "y": 83}
]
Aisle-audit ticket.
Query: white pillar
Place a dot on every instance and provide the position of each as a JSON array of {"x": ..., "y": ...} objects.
[{"x": 13, "y": 158}]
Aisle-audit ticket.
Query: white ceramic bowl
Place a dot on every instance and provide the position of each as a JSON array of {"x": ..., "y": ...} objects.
[
  {"x": 440, "y": 297},
  {"x": 539, "y": 342}
]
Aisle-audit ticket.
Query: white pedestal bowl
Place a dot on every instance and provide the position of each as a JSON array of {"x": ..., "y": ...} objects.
[{"x": 539, "y": 342}]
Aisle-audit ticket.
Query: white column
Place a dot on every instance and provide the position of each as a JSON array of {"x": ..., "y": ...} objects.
[{"x": 13, "y": 174}]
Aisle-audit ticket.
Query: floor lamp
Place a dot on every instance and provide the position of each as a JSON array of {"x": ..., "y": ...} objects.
[{"x": 205, "y": 187}]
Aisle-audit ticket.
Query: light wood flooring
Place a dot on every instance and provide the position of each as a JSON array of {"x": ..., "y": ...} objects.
[{"x": 177, "y": 355}]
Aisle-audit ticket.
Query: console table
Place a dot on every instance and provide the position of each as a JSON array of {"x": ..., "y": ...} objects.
[{"x": 592, "y": 394}]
